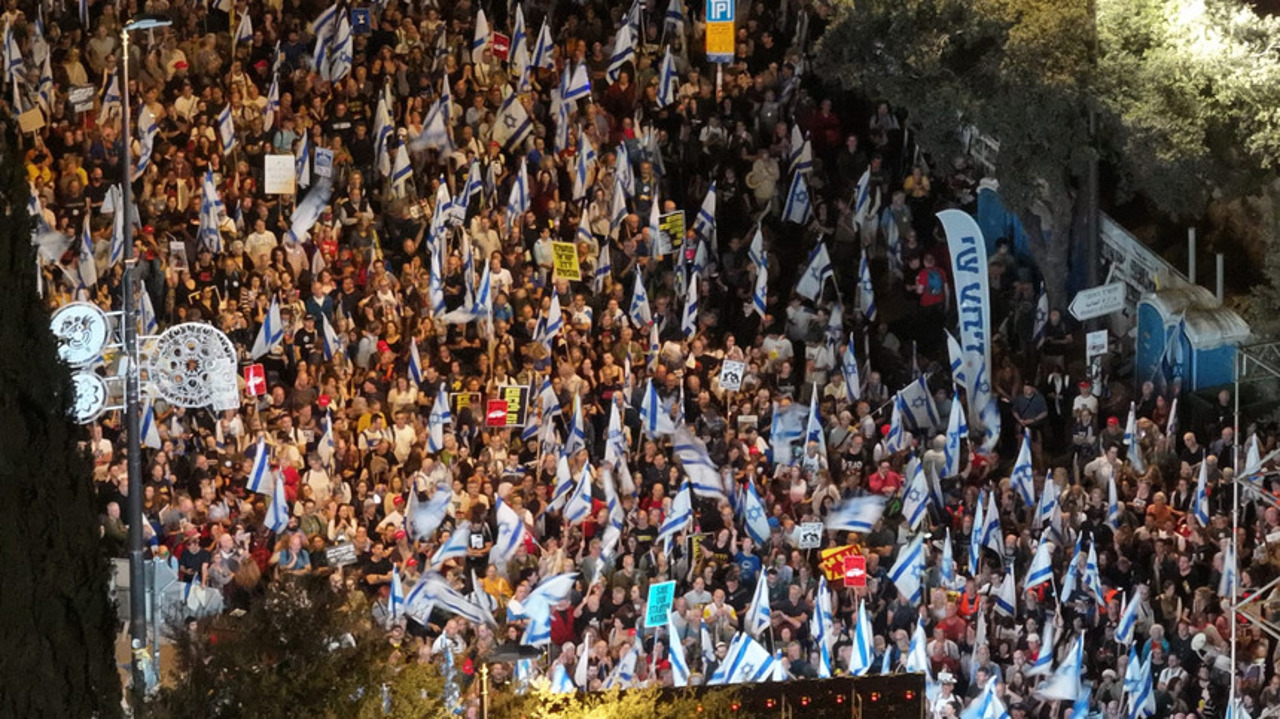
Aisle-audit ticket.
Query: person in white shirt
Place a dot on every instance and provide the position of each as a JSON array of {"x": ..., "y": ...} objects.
[
  {"x": 499, "y": 277},
  {"x": 259, "y": 244},
  {"x": 402, "y": 437}
]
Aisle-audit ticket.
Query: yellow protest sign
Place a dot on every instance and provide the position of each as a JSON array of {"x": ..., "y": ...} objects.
[
  {"x": 720, "y": 37},
  {"x": 567, "y": 265}
]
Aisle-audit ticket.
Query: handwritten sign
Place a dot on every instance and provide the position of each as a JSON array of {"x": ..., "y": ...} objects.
[
  {"x": 278, "y": 174},
  {"x": 565, "y": 257}
]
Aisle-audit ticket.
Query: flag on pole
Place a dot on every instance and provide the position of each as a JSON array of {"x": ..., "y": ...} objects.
[
  {"x": 857, "y": 514},
  {"x": 916, "y": 501},
  {"x": 908, "y": 569},
  {"x": 1041, "y": 569},
  {"x": 689, "y": 319},
  {"x": 816, "y": 274},
  {"x": 483, "y": 37},
  {"x": 271, "y": 333},
  {"x": 1131, "y": 442},
  {"x": 278, "y": 511},
  {"x": 150, "y": 431},
  {"x": 261, "y": 471},
  {"x": 244, "y": 31},
  {"x": 668, "y": 80},
  {"x": 1023, "y": 473},
  {"x": 1200, "y": 500},
  {"x": 866, "y": 290},
  {"x": 759, "y": 614},
  {"x": 798, "y": 208},
  {"x": 624, "y": 51},
  {"x": 226, "y": 129}
]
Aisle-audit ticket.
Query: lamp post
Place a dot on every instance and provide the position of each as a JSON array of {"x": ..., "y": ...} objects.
[{"x": 133, "y": 437}]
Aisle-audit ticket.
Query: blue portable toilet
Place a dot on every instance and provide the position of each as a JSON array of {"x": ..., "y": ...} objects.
[{"x": 1184, "y": 331}]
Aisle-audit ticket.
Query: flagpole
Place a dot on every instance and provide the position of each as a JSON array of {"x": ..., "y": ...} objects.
[{"x": 1235, "y": 529}]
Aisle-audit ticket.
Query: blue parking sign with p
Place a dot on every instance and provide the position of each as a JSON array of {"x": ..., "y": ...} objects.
[{"x": 720, "y": 10}]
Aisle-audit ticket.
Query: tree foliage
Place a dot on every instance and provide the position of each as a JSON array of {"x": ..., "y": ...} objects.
[
  {"x": 541, "y": 703},
  {"x": 305, "y": 650},
  {"x": 1186, "y": 94},
  {"x": 57, "y": 625}
]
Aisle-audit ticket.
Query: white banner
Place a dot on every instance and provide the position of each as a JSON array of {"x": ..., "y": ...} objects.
[{"x": 973, "y": 293}]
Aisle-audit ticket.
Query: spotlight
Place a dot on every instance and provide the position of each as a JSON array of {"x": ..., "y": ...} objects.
[
  {"x": 909, "y": 695},
  {"x": 875, "y": 696}
]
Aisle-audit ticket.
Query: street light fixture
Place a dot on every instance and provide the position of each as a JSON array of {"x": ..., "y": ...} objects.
[{"x": 137, "y": 566}]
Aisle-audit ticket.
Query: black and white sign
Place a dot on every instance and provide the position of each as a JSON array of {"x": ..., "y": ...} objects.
[
  {"x": 731, "y": 374},
  {"x": 810, "y": 535}
]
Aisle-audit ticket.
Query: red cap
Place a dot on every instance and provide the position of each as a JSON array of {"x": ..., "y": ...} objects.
[
  {"x": 398, "y": 500},
  {"x": 400, "y": 534},
  {"x": 181, "y": 65},
  {"x": 884, "y": 429},
  {"x": 1084, "y": 383},
  {"x": 261, "y": 64},
  {"x": 323, "y": 401},
  {"x": 1113, "y": 421},
  {"x": 410, "y": 562}
]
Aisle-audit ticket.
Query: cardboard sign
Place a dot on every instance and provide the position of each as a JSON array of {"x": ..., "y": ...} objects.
[
  {"x": 340, "y": 555},
  {"x": 832, "y": 562},
  {"x": 459, "y": 401},
  {"x": 731, "y": 374},
  {"x": 810, "y": 535},
  {"x": 323, "y": 162},
  {"x": 81, "y": 97},
  {"x": 509, "y": 409},
  {"x": 500, "y": 45},
  {"x": 671, "y": 226},
  {"x": 855, "y": 571},
  {"x": 658, "y": 608},
  {"x": 255, "y": 380},
  {"x": 278, "y": 174},
  {"x": 31, "y": 120},
  {"x": 565, "y": 257},
  {"x": 178, "y": 255}
]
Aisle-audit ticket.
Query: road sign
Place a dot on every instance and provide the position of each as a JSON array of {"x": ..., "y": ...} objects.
[
  {"x": 855, "y": 571},
  {"x": 720, "y": 30},
  {"x": 255, "y": 380},
  {"x": 810, "y": 535},
  {"x": 720, "y": 10},
  {"x": 659, "y": 606},
  {"x": 1098, "y": 301}
]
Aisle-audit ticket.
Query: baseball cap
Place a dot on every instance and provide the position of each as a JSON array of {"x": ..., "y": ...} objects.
[{"x": 1113, "y": 421}]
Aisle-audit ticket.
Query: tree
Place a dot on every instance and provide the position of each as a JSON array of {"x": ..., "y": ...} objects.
[
  {"x": 303, "y": 650},
  {"x": 57, "y": 625},
  {"x": 1184, "y": 95}
]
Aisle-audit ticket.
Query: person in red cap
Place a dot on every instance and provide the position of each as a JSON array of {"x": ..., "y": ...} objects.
[{"x": 1112, "y": 435}]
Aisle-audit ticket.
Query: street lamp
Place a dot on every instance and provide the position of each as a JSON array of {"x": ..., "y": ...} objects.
[{"x": 137, "y": 567}]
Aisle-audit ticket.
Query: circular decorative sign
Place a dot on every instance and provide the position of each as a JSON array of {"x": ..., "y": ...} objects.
[
  {"x": 90, "y": 392},
  {"x": 192, "y": 365},
  {"x": 82, "y": 330}
]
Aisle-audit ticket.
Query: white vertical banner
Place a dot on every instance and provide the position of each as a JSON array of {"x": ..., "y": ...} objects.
[{"x": 973, "y": 292}]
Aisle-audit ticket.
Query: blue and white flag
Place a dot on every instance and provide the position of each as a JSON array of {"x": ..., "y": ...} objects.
[
  {"x": 212, "y": 212},
  {"x": 455, "y": 547},
  {"x": 957, "y": 430},
  {"x": 862, "y": 198},
  {"x": 1092, "y": 580},
  {"x": 917, "y": 660},
  {"x": 1228, "y": 582},
  {"x": 655, "y": 420},
  {"x": 919, "y": 410},
  {"x": 816, "y": 274},
  {"x": 675, "y": 654},
  {"x": 640, "y": 313},
  {"x": 909, "y": 568},
  {"x": 383, "y": 130},
  {"x": 849, "y": 368},
  {"x": 1200, "y": 500},
  {"x": 992, "y": 535},
  {"x": 518, "y": 199},
  {"x": 415, "y": 363},
  {"x": 88, "y": 265},
  {"x": 150, "y": 431},
  {"x": 1113, "y": 504},
  {"x": 147, "y": 131},
  {"x": 751, "y": 663},
  {"x": 271, "y": 333},
  {"x": 244, "y": 31},
  {"x": 13, "y": 68},
  {"x": 668, "y": 80},
  {"x": 623, "y": 52},
  {"x": 511, "y": 533},
  {"x": 1041, "y": 569},
  {"x": 302, "y": 162},
  {"x": 956, "y": 355},
  {"x": 1129, "y": 618},
  {"x": 624, "y": 174},
  {"x": 1043, "y": 663},
  {"x": 1024, "y": 481},
  {"x": 755, "y": 518},
  {"x": 679, "y": 516},
  {"x": 976, "y": 539},
  {"x": 1064, "y": 684},
  {"x": 866, "y": 289},
  {"x": 798, "y": 209},
  {"x": 689, "y": 318},
  {"x": 578, "y": 508},
  {"x": 273, "y": 105},
  {"x": 332, "y": 343},
  {"x": 1047, "y": 505},
  {"x": 863, "y": 651},
  {"x": 947, "y": 565},
  {"x": 896, "y": 439},
  {"x": 436, "y": 421},
  {"x": 577, "y": 440},
  {"x": 326, "y": 448},
  {"x": 691, "y": 452},
  {"x": 261, "y": 471},
  {"x": 226, "y": 129},
  {"x": 1252, "y": 458},
  {"x": 987, "y": 705},
  {"x": 574, "y": 85},
  {"x": 673, "y": 21},
  {"x": 1006, "y": 597},
  {"x": 423, "y": 519},
  {"x": 759, "y": 614},
  {"x": 1131, "y": 442},
  {"x": 278, "y": 511},
  {"x": 857, "y": 514},
  {"x": 482, "y": 39},
  {"x": 401, "y": 172},
  {"x": 512, "y": 127},
  {"x": 544, "y": 49},
  {"x": 396, "y": 602},
  {"x": 704, "y": 224},
  {"x": 915, "y": 503},
  {"x": 560, "y": 682},
  {"x": 760, "y": 294},
  {"x": 821, "y": 627}
]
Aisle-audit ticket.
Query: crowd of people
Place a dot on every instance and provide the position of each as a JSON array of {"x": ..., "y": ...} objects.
[{"x": 484, "y": 196}]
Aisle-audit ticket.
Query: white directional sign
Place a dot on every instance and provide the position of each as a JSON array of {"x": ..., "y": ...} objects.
[{"x": 1098, "y": 301}]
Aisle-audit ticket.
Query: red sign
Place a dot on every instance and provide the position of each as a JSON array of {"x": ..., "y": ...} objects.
[
  {"x": 501, "y": 46},
  {"x": 495, "y": 414},
  {"x": 855, "y": 571},
  {"x": 255, "y": 380}
]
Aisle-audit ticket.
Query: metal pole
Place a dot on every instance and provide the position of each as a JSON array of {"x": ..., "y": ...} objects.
[
  {"x": 1191, "y": 254},
  {"x": 137, "y": 565},
  {"x": 1235, "y": 525},
  {"x": 1221, "y": 275}
]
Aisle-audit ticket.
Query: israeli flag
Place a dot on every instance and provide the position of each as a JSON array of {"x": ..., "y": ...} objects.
[
  {"x": 273, "y": 105},
  {"x": 1043, "y": 663},
  {"x": 111, "y": 98},
  {"x": 396, "y": 603},
  {"x": 425, "y": 519},
  {"x": 689, "y": 319},
  {"x": 483, "y": 37},
  {"x": 797, "y": 143},
  {"x": 1129, "y": 618},
  {"x": 211, "y": 215},
  {"x": 518, "y": 199},
  {"x": 332, "y": 342},
  {"x": 947, "y": 567},
  {"x": 271, "y": 333},
  {"x": 511, "y": 532},
  {"x": 992, "y": 535},
  {"x": 864, "y": 649},
  {"x": 513, "y": 127},
  {"x": 857, "y": 514},
  {"x": 401, "y": 172},
  {"x": 755, "y": 518},
  {"x": 1024, "y": 481},
  {"x": 956, "y": 355},
  {"x": 1041, "y": 569},
  {"x": 88, "y": 265},
  {"x": 1229, "y": 582},
  {"x": 897, "y": 435},
  {"x": 1113, "y": 504},
  {"x": 1131, "y": 442},
  {"x": 668, "y": 81},
  {"x": 957, "y": 430},
  {"x": 759, "y": 614},
  {"x": 415, "y": 363},
  {"x": 577, "y": 439},
  {"x": 226, "y": 129},
  {"x": 916, "y": 501},
  {"x": 798, "y": 209},
  {"x": 150, "y": 432},
  {"x": 909, "y": 568},
  {"x": 917, "y": 652},
  {"x": 750, "y": 663},
  {"x": 979, "y": 532},
  {"x": 244, "y": 31},
  {"x": 1048, "y": 502},
  {"x": 679, "y": 516},
  {"x": 624, "y": 51},
  {"x": 919, "y": 411},
  {"x": 988, "y": 704},
  {"x": 866, "y": 290},
  {"x": 1065, "y": 685},
  {"x": 639, "y": 312},
  {"x": 455, "y": 548},
  {"x": 439, "y": 417},
  {"x": 302, "y": 163},
  {"x": 675, "y": 654},
  {"x": 326, "y": 447},
  {"x": 12, "y": 56},
  {"x": 1092, "y": 581},
  {"x": 147, "y": 130},
  {"x": 383, "y": 129},
  {"x": 692, "y": 454},
  {"x": 257, "y": 481},
  {"x": 544, "y": 49},
  {"x": 1200, "y": 500},
  {"x": 1006, "y": 599},
  {"x": 820, "y": 625},
  {"x": 278, "y": 511},
  {"x": 816, "y": 274},
  {"x": 1252, "y": 458},
  {"x": 862, "y": 198}
]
